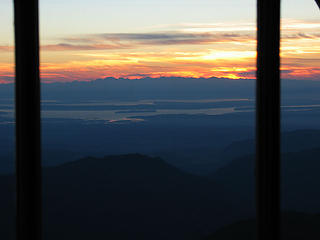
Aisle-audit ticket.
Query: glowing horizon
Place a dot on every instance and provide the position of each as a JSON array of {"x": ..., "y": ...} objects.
[{"x": 198, "y": 49}]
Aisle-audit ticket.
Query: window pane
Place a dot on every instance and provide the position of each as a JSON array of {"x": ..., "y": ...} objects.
[
  {"x": 300, "y": 51},
  {"x": 148, "y": 118},
  {"x": 7, "y": 138}
]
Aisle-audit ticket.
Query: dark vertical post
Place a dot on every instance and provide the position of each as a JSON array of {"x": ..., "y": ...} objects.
[
  {"x": 27, "y": 90},
  {"x": 318, "y": 2},
  {"x": 268, "y": 121}
]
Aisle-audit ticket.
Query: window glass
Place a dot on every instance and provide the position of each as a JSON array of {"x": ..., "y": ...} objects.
[
  {"x": 300, "y": 112},
  {"x": 7, "y": 137},
  {"x": 148, "y": 117}
]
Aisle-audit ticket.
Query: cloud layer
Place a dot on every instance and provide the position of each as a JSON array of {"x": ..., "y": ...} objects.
[{"x": 187, "y": 50}]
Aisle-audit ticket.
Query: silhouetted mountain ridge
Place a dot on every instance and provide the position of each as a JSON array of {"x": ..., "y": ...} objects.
[
  {"x": 165, "y": 87},
  {"x": 300, "y": 180},
  {"x": 292, "y": 141},
  {"x": 128, "y": 197}
]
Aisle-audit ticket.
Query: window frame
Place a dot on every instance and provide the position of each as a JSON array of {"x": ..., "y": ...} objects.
[
  {"x": 28, "y": 122},
  {"x": 27, "y": 111}
]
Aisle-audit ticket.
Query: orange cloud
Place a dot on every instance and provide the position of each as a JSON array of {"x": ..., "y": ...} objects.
[
  {"x": 6, "y": 48},
  {"x": 6, "y": 72},
  {"x": 190, "y": 50}
]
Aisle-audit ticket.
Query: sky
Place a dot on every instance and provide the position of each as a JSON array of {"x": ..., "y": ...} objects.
[{"x": 84, "y": 40}]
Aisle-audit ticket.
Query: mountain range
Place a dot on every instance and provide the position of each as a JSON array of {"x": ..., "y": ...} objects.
[
  {"x": 125, "y": 197},
  {"x": 165, "y": 88},
  {"x": 299, "y": 186},
  {"x": 134, "y": 196}
]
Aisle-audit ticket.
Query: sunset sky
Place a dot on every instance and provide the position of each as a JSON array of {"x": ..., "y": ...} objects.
[{"x": 86, "y": 40}]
